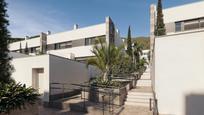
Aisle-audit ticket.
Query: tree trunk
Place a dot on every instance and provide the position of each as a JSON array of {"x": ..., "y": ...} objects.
[{"x": 105, "y": 75}]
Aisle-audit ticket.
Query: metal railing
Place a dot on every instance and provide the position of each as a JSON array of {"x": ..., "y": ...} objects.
[
  {"x": 61, "y": 89},
  {"x": 104, "y": 105}
]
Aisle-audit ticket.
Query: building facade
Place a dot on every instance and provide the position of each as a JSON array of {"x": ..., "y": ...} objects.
[
  {"x": 178, "y": 61},
  {"x": 56, "y": 60},
  {"x": 73, "y": 44}
]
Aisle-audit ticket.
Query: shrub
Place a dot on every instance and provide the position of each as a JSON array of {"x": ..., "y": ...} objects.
[
  {"x": 123, "y": 67},
  {"x": 99, "y": 82},
  {"x": 16, "y": 96}
]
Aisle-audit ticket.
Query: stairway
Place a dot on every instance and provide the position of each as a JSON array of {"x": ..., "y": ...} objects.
[{"x": 140, "y": 96}]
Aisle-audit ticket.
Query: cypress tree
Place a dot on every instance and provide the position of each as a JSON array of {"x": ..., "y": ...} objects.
[
  {"x": 129, "y": 43},
  {"x": 160, "y": 26},
  {"x": 26, "y": 49},
  {"x": 5, "y": 66}
]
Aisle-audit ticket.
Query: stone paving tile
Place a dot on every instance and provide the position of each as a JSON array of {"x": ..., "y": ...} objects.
[
  {"x": 128, "y": 110},
  {"x": 135, "y": 110}
]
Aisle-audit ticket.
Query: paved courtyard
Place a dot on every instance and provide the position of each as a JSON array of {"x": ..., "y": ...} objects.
[{"x": 128, "y": 110}]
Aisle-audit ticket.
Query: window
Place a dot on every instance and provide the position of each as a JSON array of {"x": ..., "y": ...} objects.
[
  {"x": 32, "y": 50},
  {"x": 192, "y": 24},
  {"x": 189, "y": 24},
  {"x": 178, "y": 26},
  {"x": 89, "y": 41},
  {"x": 63, "y": 45},
  {"x": 201, "y": 23},
  {"x": 50, "y": 47},
  {"x": 56, "y": 46}
]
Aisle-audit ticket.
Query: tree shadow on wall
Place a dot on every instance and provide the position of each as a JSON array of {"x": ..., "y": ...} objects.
[{"x": 194, "y": 104}]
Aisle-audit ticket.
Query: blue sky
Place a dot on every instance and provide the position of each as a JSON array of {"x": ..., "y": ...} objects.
[{"x": 30, "y": 17}]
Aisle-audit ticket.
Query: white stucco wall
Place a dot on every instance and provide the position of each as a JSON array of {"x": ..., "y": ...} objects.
[
  {"x": 56, "y": 69},
  {"x": 81, "y": 51},
  {"x": 81, "y": 33},
  {"x": 35, "y": 42},
  {"x": 67, "y": 71},
  {"x": 184, "y": 12},
  {"x": 23, "y": 71},
  {"x": 17, "y": 55},
  {"x": 179, "y": 73}
]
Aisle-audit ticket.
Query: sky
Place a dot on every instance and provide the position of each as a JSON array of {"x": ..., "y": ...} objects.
[{"x": 30, "y": 17}]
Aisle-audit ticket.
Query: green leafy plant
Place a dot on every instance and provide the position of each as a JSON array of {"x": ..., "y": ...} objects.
[
  {"x": 123, "y": 67},
  {"x": 106, "y": 56},
  {"x": 16, "y": 96},
  {"x": 99, "y": 82},
  {"x": 141, "y": 65},
  {"x": 137, "y": 52}
]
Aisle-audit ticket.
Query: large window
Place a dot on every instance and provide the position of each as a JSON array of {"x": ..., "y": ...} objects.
[
  {"x": 89, "y": 41},
  {"x": 192, "y": 24},
  {"x": 50, "y": 47},
  {"x": 189, "y": 24},
  {"x": 63, "y": 45}
]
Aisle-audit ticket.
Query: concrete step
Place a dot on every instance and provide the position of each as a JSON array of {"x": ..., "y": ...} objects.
[
  {"x": 146, "y": 100},
  {"x": 139, "y": 97},
  {"x": 140, "y": 104},
  {"x": 142, "y": 89},
  {"x": 134, "y": 93},
  {"x": 143, "y": 82}
]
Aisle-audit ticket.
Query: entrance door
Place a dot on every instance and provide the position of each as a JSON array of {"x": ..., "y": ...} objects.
[{"x": 37, "y": 79}]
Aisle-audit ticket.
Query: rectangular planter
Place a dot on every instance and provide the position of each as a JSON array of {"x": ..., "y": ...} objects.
[{"x": 117, "y": 96}]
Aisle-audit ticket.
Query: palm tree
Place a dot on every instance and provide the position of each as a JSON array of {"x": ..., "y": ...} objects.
[{"x": 106, "y": 56}]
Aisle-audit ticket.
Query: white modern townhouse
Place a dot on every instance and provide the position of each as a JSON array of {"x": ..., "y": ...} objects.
[
  {"x": 178, "y": 60},
  {"x": 74, "y": 44},
  {"x": 57, "y": 60}
]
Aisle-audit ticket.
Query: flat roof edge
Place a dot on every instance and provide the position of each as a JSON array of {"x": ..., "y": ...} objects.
[
  {"x": 183, "y": 5},
  {"x": 180, "y": 33}
]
